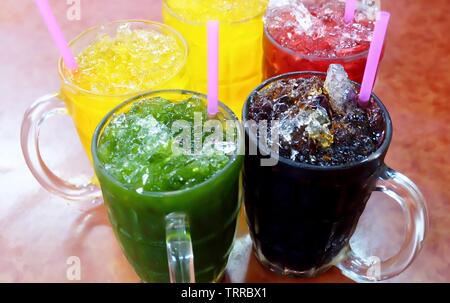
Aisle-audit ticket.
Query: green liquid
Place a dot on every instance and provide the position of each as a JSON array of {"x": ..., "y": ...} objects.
[{"x": 143, "y": 180}]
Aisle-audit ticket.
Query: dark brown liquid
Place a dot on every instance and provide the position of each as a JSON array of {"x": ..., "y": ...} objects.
[
  {"x": 351, "y": 133},
  {"x": 301, "y": 217}
]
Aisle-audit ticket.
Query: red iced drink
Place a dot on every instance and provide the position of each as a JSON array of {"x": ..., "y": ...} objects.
[{"x": 309, "y": 35}]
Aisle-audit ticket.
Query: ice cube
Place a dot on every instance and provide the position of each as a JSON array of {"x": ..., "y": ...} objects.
[
  {"x": 315, "y": 122},
  {"x": 287, "y": 125},
  {"x": 339, "y": 88},
  {"x": 367, "y": 10},
  {"x": 318, "y": 128},
  {"x": 328, "y": 10},
  {"x": 302, "y": 19},
  {"x": 273, "y": 4},
  {"x": 226, "y": 148}
]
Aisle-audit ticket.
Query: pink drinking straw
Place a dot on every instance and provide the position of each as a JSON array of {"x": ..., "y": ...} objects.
[
  {"x": 350, "y": 8},
  {"x": 373, "y": 59},
  {"x": 213, "y": 67},
  {"x": 57, "y": 35}
]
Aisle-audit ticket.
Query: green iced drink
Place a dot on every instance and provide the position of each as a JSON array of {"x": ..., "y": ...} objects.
[{"x": 149, "y": 166}]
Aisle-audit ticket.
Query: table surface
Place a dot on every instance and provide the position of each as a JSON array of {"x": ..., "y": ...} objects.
[{"x": 39, "y": 231}]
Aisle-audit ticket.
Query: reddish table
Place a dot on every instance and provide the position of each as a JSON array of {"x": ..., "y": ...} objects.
[{"x": 39, "y": 232}]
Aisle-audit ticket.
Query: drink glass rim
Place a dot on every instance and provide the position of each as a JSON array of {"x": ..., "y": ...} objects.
[
  {"x": 379, "y": 152},
  {"x": 61, "y": 65},
  {"x": 294, "y": 53},
  {"x": 99, "y": 130},
  {"x": 192, "y": 22}
]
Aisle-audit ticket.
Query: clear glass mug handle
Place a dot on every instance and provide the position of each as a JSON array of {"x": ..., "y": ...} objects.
[
  {"x": 45, "y": 107},
  {"x": 412, "y": 202},
  {"x": 180, "y": 255}
]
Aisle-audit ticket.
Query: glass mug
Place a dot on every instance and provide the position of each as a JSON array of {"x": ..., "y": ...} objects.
[
  {"x": 86, "y": 108},
  {"x": 301, "y": 216},
  {"x": 172, "y": 235},
  {"x": 279, "y": 59},
  {"x": 239, "y": 72}
]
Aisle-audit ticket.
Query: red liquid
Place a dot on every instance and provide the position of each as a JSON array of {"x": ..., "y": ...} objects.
[
  {"x": 328, "y": 41},
  {"x": 278, "y": 61}
]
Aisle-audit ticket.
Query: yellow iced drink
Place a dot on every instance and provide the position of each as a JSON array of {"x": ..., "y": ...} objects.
[
  {"x": 116, "y": 63},
  {"x": 240, "y": 43}
]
